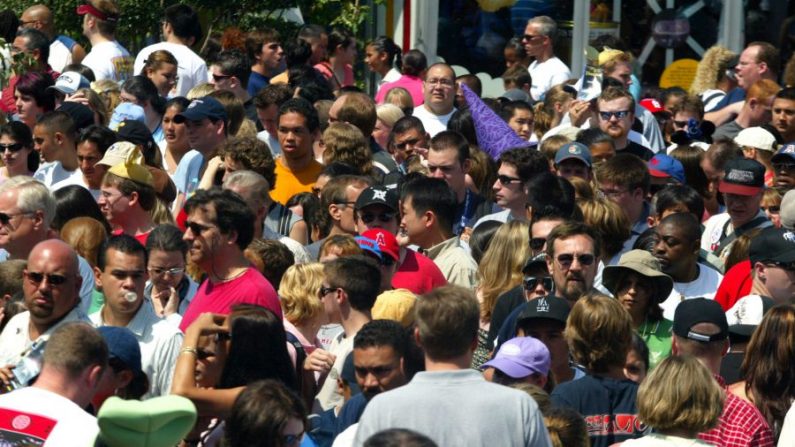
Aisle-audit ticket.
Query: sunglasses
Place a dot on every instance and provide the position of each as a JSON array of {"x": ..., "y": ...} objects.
[
  {"x": 197, "y": 228},
  {"x": 537, "y": 243},
  {"x": 13, "y": 147},
  {"x": 292, "y": 439},
  {"x": 383, "y": 217},
  {"x": 5, "y": 218},
  {"x": 771, "y": 209},
  {"x": 565, "y": 260},
  {"x": 783, "y": 166},
  {"x": 531, "y": 282},
  {"x": 621, "y": 114},
  {"x": 172, "y": 271},
  {"x": 530, "y": 37},
  {"x": 411, "y": 142},
  {"x": 679, "y": 123},
  {"x": 217, "y": 78},
  {"x": 323, "y": 291},
  {"x": 53, "y": 279},
  {"x": 788, "y": 266},
  {"x": 505, "y": 180}
]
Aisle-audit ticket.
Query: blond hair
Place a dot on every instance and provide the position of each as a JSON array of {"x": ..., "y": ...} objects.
[
  {"x": 501, "y": 266},
  {"x": 200, "y": 91},
  {"x": 389, "y": 114},
  {"x": 298, "y": 292},
  {"x": 713, "y": 63},
  {"x": 109, "y": 91},
  {"x": 599, "y": 333},
  {"x": 609, "y": 220},
  {"x": 680, "y": 394},
  {"x": 347, "y": 144}
]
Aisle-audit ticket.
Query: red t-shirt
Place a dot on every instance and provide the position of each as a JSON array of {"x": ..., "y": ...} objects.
[
  {"x": 418, "y": 274},
  {"x": 735, "y": 285},
  {"x": 140, "y": 237},
  {"x": 250, "y": 288}
]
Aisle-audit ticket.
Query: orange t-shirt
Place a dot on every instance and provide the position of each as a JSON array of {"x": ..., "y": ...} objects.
[{"x": 289, "y": 183}]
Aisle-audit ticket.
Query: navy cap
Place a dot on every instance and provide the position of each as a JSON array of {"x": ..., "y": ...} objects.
[
  {"x": 665, "y": 166},
  {"x": 700, "y": 310},
  {"x": 573, "y": 150},
  {"x": 785, "y": 154},
  {"x": 122, "y": 345},
  {"x": 548, "y": 307},
  {"x": 205, "y": 107},
  {"x": 743, "y": 176}
]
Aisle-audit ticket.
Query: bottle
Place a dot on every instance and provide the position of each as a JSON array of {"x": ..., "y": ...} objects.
[{"x": 29, "y": 367}]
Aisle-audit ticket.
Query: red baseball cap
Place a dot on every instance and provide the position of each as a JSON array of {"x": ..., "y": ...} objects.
[
  {"x": 386, "y": 242},
  {"x": 652, "y": 105}
]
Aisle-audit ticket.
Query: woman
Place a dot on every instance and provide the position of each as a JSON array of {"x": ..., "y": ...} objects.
[
  {"x": 141, "y": 91},
  {"x": 33, "y": 98},
  {"x": 345, "y": 143},
  {"x": 499, "y": 271},
  {"x": 640, "y": 286},
  {"x": 16, "y": 144},
  {"x": 161, "y": 68},
  {"x": 714, "y": 76},
  {"x": 338, "y": 69},
  {"x": 557, "y": 102},
  {"x": 175, "y": 143},
  {"x": 75, "y": 201},
  {"x": 169, "y": 290},
  {"x": 771, "y": 205},
  {"x": 266, "y": 414},
  {"x": 382, "y": 56},
  {"x": 679, "y": 400},
  {"x": 388, "y": 115},
  {"x": 413, "y": 69},
  {"x": 769, "y": 366}
]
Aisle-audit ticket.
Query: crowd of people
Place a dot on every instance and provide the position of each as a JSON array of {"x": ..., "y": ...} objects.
[{"x": 242, "y": 247}]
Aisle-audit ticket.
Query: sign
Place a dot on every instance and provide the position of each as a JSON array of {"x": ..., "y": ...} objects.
[{"x": 679, "y": 74}]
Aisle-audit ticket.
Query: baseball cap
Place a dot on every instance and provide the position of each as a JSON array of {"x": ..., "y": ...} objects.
[
  {"x": 370, "y": 247},
  {"x": 126, "y": 161},
  {"x": 385, "y": 241},
  {"x": 788, "y": 210},
  {"x": 653, "y": 105},
  {"x": 88, "y": 8},
  {"x": 123, "y": 112},
  {"x": 539, "y": 260},
  {"x": 516, "y": 94},
  {"x": 521, "y": 356},
  {"x": 549, "y": 307},
  {"x": 378, "y": 195},
  {"x": 198, "y": 109},
  {"x": 786, "y": 153},
  {"x": 348, "y": 374},
  {"x": 573, "y": 150},
  {"x": 747, "y": 314},
  {"x": 80, "y": 114},
  {"x": 743, "y": 177},
  {"x": 122, "y": 345},
  {"x": 157, "y": 422},
  {"x": 700, "y": 310},
  {"x": 396, "y": 305},
  {"x": 773, "y": 245},
  {"x": 756, "y": 137},
  {"x": 135, "y": 132},
  {"x": 69, "y": 82},
  {"x": 665, "y": 166}
]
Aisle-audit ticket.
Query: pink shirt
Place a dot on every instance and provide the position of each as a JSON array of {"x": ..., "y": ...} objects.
[
  {"x": 411, "y": 83},
  {"x": 250, "y": 288},
  {"x": 325, "y": 69}
]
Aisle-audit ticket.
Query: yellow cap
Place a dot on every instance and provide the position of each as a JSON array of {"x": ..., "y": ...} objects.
[
  {"x": 132, "y": 167},
  {"x": 397, "y": 304},
  {"x": 607, "y": 54}
]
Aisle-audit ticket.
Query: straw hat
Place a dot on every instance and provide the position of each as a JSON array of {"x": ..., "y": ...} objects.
[{"x": 643, "y": 263}]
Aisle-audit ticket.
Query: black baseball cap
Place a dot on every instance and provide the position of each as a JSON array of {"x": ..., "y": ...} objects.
[
  {"x": 548, "y": 307},
  {"x": 773, "y": 245},
  {"x": 700, "y": 310},
  {"x": 539, "y": 260},
  {"x": 378, "y": 195},
  {"x": 743, "y": 176}
]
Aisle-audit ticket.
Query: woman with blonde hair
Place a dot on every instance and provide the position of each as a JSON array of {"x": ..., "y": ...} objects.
[
  {"x": 345, "y": 143},
  {"x": 388, "y": 115},
  {"x": 679, "y": 400},
  {"x": 303, "y": 312},
  {"x": 714, "y": 77},
  {"x": 109, "y": 91},
  {"x": 611, "y": 222},
  {"x": 400, "y": 97},
  {"x": 499, "y": 271}
]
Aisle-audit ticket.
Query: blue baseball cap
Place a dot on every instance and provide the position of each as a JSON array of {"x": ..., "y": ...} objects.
[
  {"x": 370, "y": 247},
  {"x": 126, "y": 111},
  {"x": 122, "y": 345},
  {"x": 205, "y": 107},
  {"x": 785, "y": 154},
  {"x": 574, "y": 150},
  {"x": 664, "y": 166}
]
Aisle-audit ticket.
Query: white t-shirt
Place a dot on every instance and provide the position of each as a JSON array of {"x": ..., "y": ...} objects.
[
  {"x": 55, "y": 177},
  {"x": 60, "y": 56},
  {"x": 192, "y": 70},
  {"x": 547, "y": 74},
  {"x": 704, "y": 286},
  {"x": 714, "y": 231},
  {"x": 110, "y": 60},
  {"x": 79, "y": 180},
  {"x": 271, "y": 141},
  {"x": 433, "y": 123},
  {"x": 47, "y": 417}
]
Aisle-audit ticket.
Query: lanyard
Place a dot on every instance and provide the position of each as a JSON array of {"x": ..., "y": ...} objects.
[{"x": 465, "y": 215}]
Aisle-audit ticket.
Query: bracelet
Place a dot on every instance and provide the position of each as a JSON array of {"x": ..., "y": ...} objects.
[{"x": 189, "y": 350}]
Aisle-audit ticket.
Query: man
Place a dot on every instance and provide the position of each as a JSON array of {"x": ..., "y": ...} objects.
[
  {"x": 539, "y": 42},
  {"x": 573, "y": 160},
  {"x": 253, "y": 188},
  {"x": 338, "y": 198},
  {"x": 758, "y": 143},
  {"x": 410, "y": 139},
  {"x": 350, "y": 287},
  {"x": 428, "y": 210},
  {"x": 296, "y": 169},
  {"x": 54, "y": 139},
  {"x": 742, "y": 187},
  {"x": 121, "y": 276},
  {"x": 572, "y": 258},
  {"x": 447, "y": 327},
  {"x": 438, "y": 90},
  {"x": 677, "y": 248},
  {"x": 265, "y": 53},
  {"x": 784, "y": 168},
  {"x": 615, "y": 113},
  {"x": 516, "y": 167},
  {"x": 107, "y": 58},
  {"x": 358, "y": 109},
  {"x": 625, "y": 180},
  {"x": 317, "y": 38},
  {"x": 267, "y": 101},
  {"x": 52, "y": 411},
  {"x": 220, "y": 226},
  {"x": 32, "y": 43},
  {"x": 379, "y": 349},
  {"x": 701, "y": 330},
  {"x": 180, "y": 30},
  {"x": 772, "y": 262},
  {"x": 206, "y": 122},
  {"x": 688, "y": 108},
  {"x": 230, "y": 71},
  {"x": 714, "y": 165},
  {"x": 520, "y": 360},
  {"x": 92, "y": 144},
  {"x": 51, "y": 284},
  {"x": 449, "y": 159},
  {"x": 63, "y": 49},
  {"x": 756, "y": 110},
  {"x": 28, "y": 209},
  {"x": 784, "y": 113}
]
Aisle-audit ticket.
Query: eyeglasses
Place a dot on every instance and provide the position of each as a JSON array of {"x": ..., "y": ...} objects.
[
  {"x": 620, "y": 114},
  {"x": 53, "y": 279},
  {"x": 383, "y": 217},
  {"x": 530, "y": 37},
  {"x": 531, "y": 282},
  {"x": 174, "y": 271},
  {"x": 771, "y": 209},
  {"x": 608, "y": 193},
  {"x": 342, "y": 202},
  {"x": 679, "y": 123},
  {"x": 5, "y": 218},
  {"x": 444, "y": 82},
  {"x": 292, "y": 439},
  {"x": 218, "y": 78},
  {"x": 537, "y": 243},
  {"x": 565, "y": 260},
  {"x": 505, "y": 180},
  {"x": 410, "y": 142},
  {"x": 197, "y": 228},
  {"x": 13, "y": 147},
  {"x": 783, "y": 166},
  {"x": 325, "y": 291}
]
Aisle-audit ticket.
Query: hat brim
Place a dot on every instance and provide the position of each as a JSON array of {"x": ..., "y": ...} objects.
[
  {"x": 532, "y": 262},
  {"x": 190, "y": 115},
  {"x": 375, "y": 202},
  {"x": 783, "y": 157},
  {"x": 659, "y": 174},
  {"x": 740, "y": 190},
  {"x": 663, "y": 284},
  {"x": 573, "y": 157},
  {"x": 510, "y": 368}
]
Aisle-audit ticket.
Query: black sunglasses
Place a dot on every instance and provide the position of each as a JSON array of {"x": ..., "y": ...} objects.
[
  {"x": 505, "y": 180},
  {"x": 5, "y": 218},
  {"x": 412, "y": 141},
  {"x": 537, "y": 243},
  {"x": 531, "y": 282},
  {"x": 383, "y": 217},
  {"x": 565, "y": 260},
  {"x": 53, "y": 279},
  {"x": 323, "y": 291},
  {"x": 197, "y": 228},
  {"x": 13, "y": 147}
]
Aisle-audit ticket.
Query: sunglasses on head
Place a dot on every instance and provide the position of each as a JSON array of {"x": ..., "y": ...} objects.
[
  {"x": 13, "y": 147},
  {"x": 53, "y": 279},
  {"x": 531, "y": 282},
  {"x": 565, "y": 260},
  {"x": 537, "y": 243},
  {"x": 383, "y": 217}
]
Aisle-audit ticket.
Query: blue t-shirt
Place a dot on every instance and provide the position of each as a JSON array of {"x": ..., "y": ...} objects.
[
  {"x": 256, "y": 82},
  {"x": 735, "y": 95}
]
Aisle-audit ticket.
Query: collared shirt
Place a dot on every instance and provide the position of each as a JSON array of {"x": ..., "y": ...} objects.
[
  {"x": 456, "y": 264},
  {"x": 186, "y": 289},
  {"x": 15, "y": 340},
  {"x": 740, "y": 424},
  {"x": 159, "y": 341}
]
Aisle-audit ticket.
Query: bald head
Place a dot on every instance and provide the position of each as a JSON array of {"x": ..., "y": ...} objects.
[
  {"x": 38, "y": 17},
  {"x": 55, "y": 249},
  {"x": 52, "y": 282}
]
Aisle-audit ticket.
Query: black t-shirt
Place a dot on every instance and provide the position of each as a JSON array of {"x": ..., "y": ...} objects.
[
  {"x": 637, "y": 150},
  {"x": 505, "y": 305}
]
